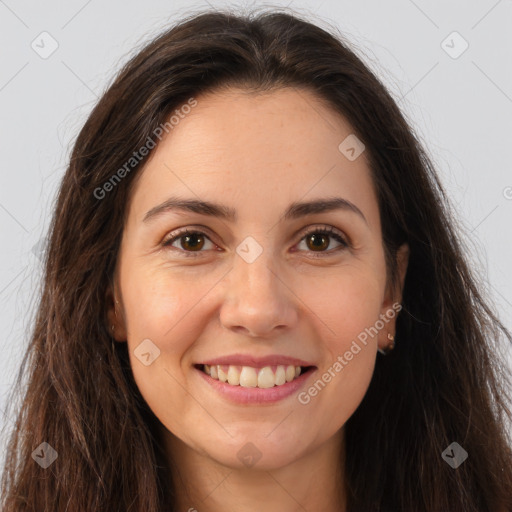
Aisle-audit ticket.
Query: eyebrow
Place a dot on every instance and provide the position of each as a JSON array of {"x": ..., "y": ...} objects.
[{"x": 295, "y": 210}]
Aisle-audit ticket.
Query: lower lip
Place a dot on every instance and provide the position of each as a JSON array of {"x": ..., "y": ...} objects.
[{"x": 242, "y": 395}]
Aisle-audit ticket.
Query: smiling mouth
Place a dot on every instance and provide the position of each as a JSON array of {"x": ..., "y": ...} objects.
[{"x": 252, "y": 377}]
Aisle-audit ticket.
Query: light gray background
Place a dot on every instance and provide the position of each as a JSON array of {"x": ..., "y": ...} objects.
[{"x": 461, "y": 107}]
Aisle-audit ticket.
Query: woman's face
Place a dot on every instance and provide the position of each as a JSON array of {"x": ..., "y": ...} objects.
[{"x": 265, "y": 285}]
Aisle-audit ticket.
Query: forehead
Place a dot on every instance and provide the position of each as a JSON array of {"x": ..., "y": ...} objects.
[{"x": 255, "y": 150}]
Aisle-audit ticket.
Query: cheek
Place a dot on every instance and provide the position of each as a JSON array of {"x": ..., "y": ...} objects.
[
  {"x": 166, "y": 308},
  {"x": 344, "y": 315},
  {"x": 175, "y": 308},
  {"x": 342, "y": 305},
  {"x": 162, "y": 305}
]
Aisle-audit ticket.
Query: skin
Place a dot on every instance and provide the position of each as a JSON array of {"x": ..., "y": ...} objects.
[{"x": 256, "y": 153}]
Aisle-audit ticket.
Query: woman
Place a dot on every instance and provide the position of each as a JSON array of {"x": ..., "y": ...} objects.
[{"x": 246, "y": 227}]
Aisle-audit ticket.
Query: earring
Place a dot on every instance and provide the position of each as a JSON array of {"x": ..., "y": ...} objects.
[{"x": 390, "y": 346}]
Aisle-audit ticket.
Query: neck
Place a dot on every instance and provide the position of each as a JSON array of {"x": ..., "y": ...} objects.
[{"x": 315, "y": 481}]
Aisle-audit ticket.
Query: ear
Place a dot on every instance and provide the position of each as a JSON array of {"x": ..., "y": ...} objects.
[
  {"x": 393, "y": 298},
  {"x": 115, "y": 315}
]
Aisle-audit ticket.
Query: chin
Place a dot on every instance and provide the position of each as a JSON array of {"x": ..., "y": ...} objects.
[{"x": 256, "y": 452}]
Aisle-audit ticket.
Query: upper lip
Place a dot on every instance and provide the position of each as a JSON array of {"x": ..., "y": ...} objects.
[{"x": 256, "y": 362}]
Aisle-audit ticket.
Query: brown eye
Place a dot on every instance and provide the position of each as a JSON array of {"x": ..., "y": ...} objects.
[
  {"x": 319, "y": 239},
  {"x": 191, "y": 242}
]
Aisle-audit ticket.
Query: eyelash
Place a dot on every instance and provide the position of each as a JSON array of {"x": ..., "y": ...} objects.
[{"x": 330, "y": 231}]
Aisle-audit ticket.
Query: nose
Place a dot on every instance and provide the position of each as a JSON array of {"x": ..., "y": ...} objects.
[{"x": 258, "y": 301}]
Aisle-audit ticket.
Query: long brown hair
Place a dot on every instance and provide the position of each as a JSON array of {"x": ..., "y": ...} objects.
[{"x": 444, "y": 382}]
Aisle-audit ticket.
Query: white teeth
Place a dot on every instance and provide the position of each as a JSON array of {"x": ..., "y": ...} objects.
[
  {"x": 266, "y": 378},
  {"x": 249, "y": 377},
  {"x": 290, "y": 373},
  {"x": 223, "y": 377},
  {"x": 280, "y": 376},
  {"x": 233, "y": 376}
]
